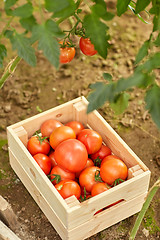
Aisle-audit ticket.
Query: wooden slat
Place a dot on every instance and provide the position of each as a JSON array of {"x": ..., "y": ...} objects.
[{"x": 6, "y": 233}]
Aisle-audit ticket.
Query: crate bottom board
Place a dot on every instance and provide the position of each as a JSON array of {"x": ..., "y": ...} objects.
[{"x": 98, "y": 222}]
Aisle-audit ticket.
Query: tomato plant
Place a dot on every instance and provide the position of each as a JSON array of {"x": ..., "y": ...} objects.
[
  {"x": 75, "y": 125},
  {"x": 48, "y": 126},
  {"x": 87, "y": 47},
  {"x": 91, "y": 139},
  {"x": 44, "y": 162},
  {"x": 100, "y": 154},
  {"x": 68, "y": 188},
  {"x": 99, "y": 188},
  {"x": 37, "y": 144},
  {"x": 89, "y": 177},
  {"x": 71, "y": 155},
  {"x": 57, "y": 174},
  {"x": 112, "y": 170},
  {"x": 67, "y": 53},
  {"x": 60, "y": 134}
]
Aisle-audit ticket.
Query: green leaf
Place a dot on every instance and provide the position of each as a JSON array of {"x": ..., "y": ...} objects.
[
  {"x": 22, "y": 45},
  {"x": 23, "y": 11},
  {"x": 157, "y": 41},
  {"x": 28, "y": 23},
  {"x": 120, "y": 103},
  {"x": 102, "y": 92},
  {"x": 61, "y": 8},
  {"x": 9, "y": 3},
  {"x": 141, "y": 5},
  {"x": 100, "y": 2},
  {"x": 107, "y": 76},
  {"x": 143, "y": 51},
  {"x": 54, "y": 28},
  {"x": 152, "y": 63},
  {"x": 156, "y": 23},
  {"x": 47, "y": 43},
  {"x": 96, "y": 31},
  {"x": 153, "y": 103},
  {"x": 101, "y": 12},
  {"x": 122, "y": 6},
  {"x": 3, "y": 53}
]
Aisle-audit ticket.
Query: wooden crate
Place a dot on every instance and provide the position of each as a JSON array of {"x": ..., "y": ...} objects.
[{"x": 71, "y": 219}]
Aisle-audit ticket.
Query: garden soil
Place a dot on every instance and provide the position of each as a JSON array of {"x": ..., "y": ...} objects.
[{"x": 30, "y": 90}]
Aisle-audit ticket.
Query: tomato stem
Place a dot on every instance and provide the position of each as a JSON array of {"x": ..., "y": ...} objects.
[
  {"x": 56, "y": 178},
  {"x": 97, "y": 176},
  {"x": 117, "y": 181}
]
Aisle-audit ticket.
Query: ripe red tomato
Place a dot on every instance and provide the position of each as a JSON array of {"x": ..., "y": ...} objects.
[
  {"x": 99, "y": 188},
  {"x": 112, "y": 170},
  {"x": 75, "y": 125},
  {"x": 36, "y": 144},
  {"x": 89, "y": 163},
  {"x": 53, "y": 161},
  {"x": 68, "y": 188},
  {"x": 71, "y": 155},
  {"x": 60, "y": 134},
  {"x": 66, "y": 53},
  {"x": 48, "y": 126},
  {"x": 89, "y": 177},
  {"x": 87, "y": 47},
  {"x": 44, "y": 162},
  {"x": 58, "y": 174},
  {"x": 102, "y": 152},
  {"x": 91, "y": 139},
  {"x": 109, "y": 157}
]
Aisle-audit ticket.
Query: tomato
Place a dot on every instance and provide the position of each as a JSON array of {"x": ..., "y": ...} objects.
[
  {"x": 102, "y": 152},
  {"x": 91, "y": 139},
  {"x": 48, "y": 126},
  {"x": 71, "y": 155},
  {"x": 57, "y": 174},
  {"x": 89, "y": 163},
  {"x": 109, "y": 157},
  {"x": 60, "y": 134},
  {"x": 87, "y": 47},
  {"x": 68, "y": 188},
  {"x": 99, "y": 188},
  {"x": 112, "y": 170},
  {"x": 44, "y": 162},
  {"x": 76, "y": 126},
  {"x": 37, "y": 144},
  {"x": 53, "y": 160},
  {"x": 89, "y": 177},
  {"x": 66, "y": 53}
]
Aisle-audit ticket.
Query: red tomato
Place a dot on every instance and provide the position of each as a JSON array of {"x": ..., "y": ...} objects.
[
  {"x": 91, "y": 139},
  {"x": 112, "y": 170},
  {"x": 58, "y": 174},
  {"x": 109, "y": 157},
  {"x": 89, "y": 177},
  {"x": 44, "y": 162},
  {"x": 99, "y": 188},
  {"x": 60, "y": 134},
  {"x": 53, "y": 161},
  {"x": 48, "y": 126},
  {"x": 66, "y": 53},
  {"x": 89, "y": 163},
  {"x": 71, "y": 155},
  {"x": 76, "y": 126},
  {"x": 98, "y": 156},
  {"x": 68, "y": 188},
  {"x": 87, "y": 47},
  {"x": 37, "y": 145}
]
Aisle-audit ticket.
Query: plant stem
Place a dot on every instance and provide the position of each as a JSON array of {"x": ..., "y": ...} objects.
[
  {"x": 146, "y": 204},
  {"x": 9, "y": 70},
  {"x": 6, "y": 26}
]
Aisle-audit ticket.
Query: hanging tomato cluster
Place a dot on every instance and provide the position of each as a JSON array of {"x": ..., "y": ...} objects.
[{"x": 75, "y": 159}]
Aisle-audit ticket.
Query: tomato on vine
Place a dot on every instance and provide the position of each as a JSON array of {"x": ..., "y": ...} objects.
[
  {"x": 87, "y": 47},
  {"x": 67, "y": 53}
]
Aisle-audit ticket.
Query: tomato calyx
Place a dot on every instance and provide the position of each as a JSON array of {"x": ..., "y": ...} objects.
[
  {"x": 97, "y": 176},
  {"x": 40, "y": 138},
  {"x": 117, "y": 182},
  {"x": 56, "y": 178},
  {"x": 97, "y": 161},
  {"x": 84, "y": 197}
]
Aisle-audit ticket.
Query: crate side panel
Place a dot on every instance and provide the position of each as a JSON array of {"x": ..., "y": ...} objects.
[
  {"x": 107, "y": 218},
  {"x": 37, "y": 196},
  {"x": 114, "y": 141},
  {"x": 38, "y": 176},
  {"x": 127, "y": 190}
]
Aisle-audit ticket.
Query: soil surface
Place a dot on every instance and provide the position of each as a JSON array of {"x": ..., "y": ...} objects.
[{"x": 30, "y": 90}]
